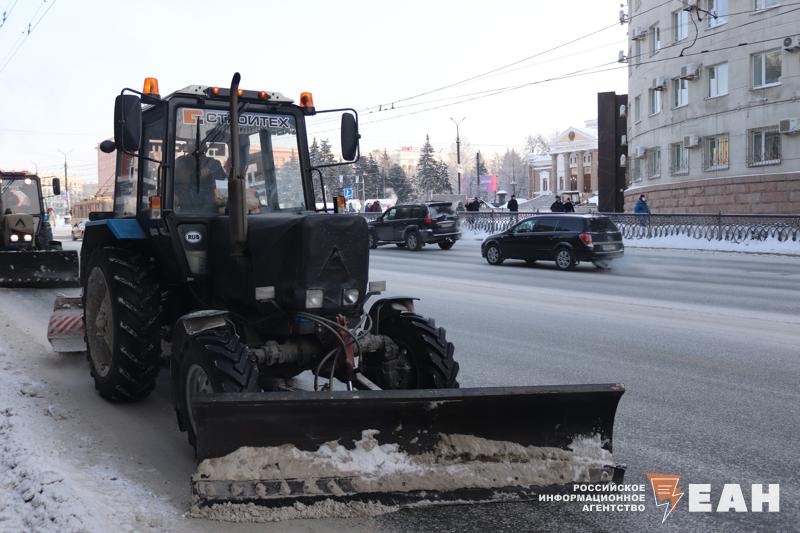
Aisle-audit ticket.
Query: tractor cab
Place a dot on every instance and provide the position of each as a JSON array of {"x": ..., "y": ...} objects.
[{"x": 227, "y": 209}]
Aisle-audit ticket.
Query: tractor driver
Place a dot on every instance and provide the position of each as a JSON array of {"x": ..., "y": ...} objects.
[{"x": 194, "y": 181}]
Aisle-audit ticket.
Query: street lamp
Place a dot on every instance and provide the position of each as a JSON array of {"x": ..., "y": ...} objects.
[
  {"x": 66, "y": 182},
  {"x": 458, "y": 150}
]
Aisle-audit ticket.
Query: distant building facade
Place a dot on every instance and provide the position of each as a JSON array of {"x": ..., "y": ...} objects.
[
  {"x": 573, "y": 158},
  {"x": 713, "y": 123}
]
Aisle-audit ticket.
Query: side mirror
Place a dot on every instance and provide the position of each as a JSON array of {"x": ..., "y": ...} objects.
[
  {"x": 350, "y": 137},
  {"x": 128, "y": 122},
  {"x": 108, "y": 146},
  {"x": 56, "y": 187}
]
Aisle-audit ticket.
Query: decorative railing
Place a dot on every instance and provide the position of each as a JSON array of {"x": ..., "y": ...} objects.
[{"x": 720, "y": 227}]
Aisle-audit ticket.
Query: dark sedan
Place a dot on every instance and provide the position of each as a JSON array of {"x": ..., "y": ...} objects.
[{"x": 565, "y": 239}]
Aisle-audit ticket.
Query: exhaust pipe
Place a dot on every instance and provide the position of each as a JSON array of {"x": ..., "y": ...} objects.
[{"x": 236, "y": 185}]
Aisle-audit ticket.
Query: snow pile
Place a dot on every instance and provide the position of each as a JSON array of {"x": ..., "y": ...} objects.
[
  {"x": 684, "y": 242},
  {"x": 457, "y": 461},
  {"x": 32, "y": 496}
]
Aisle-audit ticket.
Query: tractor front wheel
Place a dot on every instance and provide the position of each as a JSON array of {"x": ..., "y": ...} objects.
[
  {"x": 425, "y": 354},
  {"x": 214, "y": 360}
]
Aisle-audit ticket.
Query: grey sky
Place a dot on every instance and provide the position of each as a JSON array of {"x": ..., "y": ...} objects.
[{"x": 58, "y": 90}]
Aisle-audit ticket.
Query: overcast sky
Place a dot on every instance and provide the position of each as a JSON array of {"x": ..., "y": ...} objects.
[{"x": 57, "y": 91}]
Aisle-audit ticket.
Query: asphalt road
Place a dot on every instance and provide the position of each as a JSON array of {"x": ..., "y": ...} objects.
[{"x": 706, "y": 343}]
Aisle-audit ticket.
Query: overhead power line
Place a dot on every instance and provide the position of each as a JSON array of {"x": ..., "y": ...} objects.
[{"x": 32, "y": 24}]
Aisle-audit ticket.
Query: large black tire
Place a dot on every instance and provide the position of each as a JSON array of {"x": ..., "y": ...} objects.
[
  {"x": 215, "y": 360},
  {"x": 373, "y": 240},
  {"x": 446, "y": 245},
  {"x": 429, "y": 352},
  {"x": 44, "y": 236},
  {"x": 122, "y": 315},
  {"x": 414, "y": 241}
]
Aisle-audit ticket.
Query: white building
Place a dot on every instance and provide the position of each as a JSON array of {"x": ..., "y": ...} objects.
[{"x": 712, "y": 121}]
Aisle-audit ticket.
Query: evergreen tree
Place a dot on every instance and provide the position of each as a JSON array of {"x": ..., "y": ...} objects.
[
  {"x": 397, "y": 180},
  {"x": 442, "y": 183},
  {"x": 427, "y": 170}
]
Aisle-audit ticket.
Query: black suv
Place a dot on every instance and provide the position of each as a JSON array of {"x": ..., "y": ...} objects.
[
  {"x": 415, "y": 225},
  {"x": 565, "y": 239}
]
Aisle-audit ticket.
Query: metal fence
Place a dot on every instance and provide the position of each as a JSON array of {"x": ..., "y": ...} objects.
[{"x": 720, "y": 227}]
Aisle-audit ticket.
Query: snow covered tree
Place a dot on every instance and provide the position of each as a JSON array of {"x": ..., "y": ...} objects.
[
  {"x": 428, "y": 170},
  {"x": 537, "y": 144}
]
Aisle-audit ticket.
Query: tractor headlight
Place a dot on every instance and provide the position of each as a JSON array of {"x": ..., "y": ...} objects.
[
  {"x": 350, "y": 296},
  {"x": 314, "y": 298},
  {"x": 27, "y": 237},
  {"x": 14, "y": 237}
]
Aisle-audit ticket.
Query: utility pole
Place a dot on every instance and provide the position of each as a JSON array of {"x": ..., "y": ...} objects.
[
  {"x": 66, "y": 182},
  {"x": 478, "y": 173},
  {"x": 458, "y": 151}
]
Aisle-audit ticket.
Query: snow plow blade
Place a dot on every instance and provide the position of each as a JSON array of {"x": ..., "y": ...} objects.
[
  {"x": 66, "y": 331},
  {"x": 51, "y": 268},
  {"x": 392, "y": 449}
]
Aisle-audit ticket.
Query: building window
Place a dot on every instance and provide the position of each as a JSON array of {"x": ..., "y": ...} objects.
[
  {"x": 655, "y": 101},
  {"x": 680, "y": 92},
  {"x": 763, "y": 146},
  {"x": 637, "y": 109},
  {"x": 587, "y": 158},
  {"x": 680, "y": 25},
  {"x": 573, "y": 159},
  {"x": 715, "y": 152},
  {"x": 637, "y": 51},
  {"x": 655, "y": 39},
  {"x": 653, "y": 162},
  {"x": 718, "y": 10},
  {"x": 678, "y": 159},
  {"x": 717, "y": 80},
  {"x": 760, "y": 5},
  {"x": 767, "y": 69}
]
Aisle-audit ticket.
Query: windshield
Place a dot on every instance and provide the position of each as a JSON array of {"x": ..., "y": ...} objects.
[
  {"x": 20, "y": 195},
  {"x": 269, "y": 160}
]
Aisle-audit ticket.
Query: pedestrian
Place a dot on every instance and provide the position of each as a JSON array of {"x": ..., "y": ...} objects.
[
  {"x": 643, "y": 210},
  {"x": 513, "y": 205},
  {"x": 376, "y": 206},
  {"x": 568, "y": 207},
  {"x": 641, "y": 207},
  {"x": 557, "y": 206}
]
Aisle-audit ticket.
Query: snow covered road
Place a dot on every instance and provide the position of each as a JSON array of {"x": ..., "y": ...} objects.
[{"x": 706, "y": 344}]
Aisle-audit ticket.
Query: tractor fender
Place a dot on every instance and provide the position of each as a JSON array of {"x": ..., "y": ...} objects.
[
  {"x": 100, "y": 233},
  {"x": 187, "y": 326},
  {"x": 387, "y": 306}
]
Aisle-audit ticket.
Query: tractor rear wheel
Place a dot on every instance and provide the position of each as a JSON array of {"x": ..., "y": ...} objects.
[
  {"x": 212, "y": 361},
  {"x": 122, "y": 316},
  {"x": 426, "y": 349}
]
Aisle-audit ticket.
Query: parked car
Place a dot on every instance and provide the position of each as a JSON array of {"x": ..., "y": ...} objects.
[
  {"x": 414, "y": 225},
  {"x": 78, "y": 229},
  {"x": 566, "y": 239}
]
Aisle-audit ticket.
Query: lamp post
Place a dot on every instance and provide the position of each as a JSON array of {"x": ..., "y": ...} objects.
[
  {"x": 66, "y": 182},
  {"x": 458, "y": 151}
]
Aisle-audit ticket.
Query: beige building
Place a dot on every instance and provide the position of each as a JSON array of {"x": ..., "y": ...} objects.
[{"x": 573, "y": 155}]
